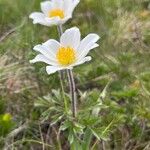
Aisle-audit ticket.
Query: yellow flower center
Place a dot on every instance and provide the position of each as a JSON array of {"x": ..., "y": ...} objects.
[
  {"x": 66, "y": 56},
  {"x": 56, "y": 13}
]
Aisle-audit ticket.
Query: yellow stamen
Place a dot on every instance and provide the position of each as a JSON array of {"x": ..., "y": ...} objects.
[
  {"x": 66, "y": 56},
  {"x": 56, "y": 13}
]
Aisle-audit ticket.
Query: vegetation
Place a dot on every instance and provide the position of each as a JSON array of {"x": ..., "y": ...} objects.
[{"x": 113, "y": 89}]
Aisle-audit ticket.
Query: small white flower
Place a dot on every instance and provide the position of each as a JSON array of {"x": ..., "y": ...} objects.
[
  {"x": 70, "y": 52},
  {"x": 54, "y": 12}
]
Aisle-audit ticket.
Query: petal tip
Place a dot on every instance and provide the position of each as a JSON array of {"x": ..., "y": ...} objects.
[
  {"x": 31, "y": 16},
  {"x": 31, "y": 61}
]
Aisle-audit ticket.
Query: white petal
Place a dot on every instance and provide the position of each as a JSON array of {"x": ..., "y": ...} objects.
[
  {"x": 57, "y": 4},
  {"x": 85, "y": 59},
  {"x": 52, "y": 69},
  {"x": 46, "y": 6},
  {"x": 52, "y": 46},
  {"x": 75, "y": 3},
  {"x": 94, "y": 46},
  {"x": 64, "y": 20},
  {"x": 88, "y": 43},
  {"x": 37, "y": 15},
  {"x": 71, "y": 37},
  {"x": 39, "y": 18},
  {"x": 53, "y": 20},
  {"x": 45, "y": 51},
  {"x": 69, "y": 6},
  {"x": 42, "y": 58}
]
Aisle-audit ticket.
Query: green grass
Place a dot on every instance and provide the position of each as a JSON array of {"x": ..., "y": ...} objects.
[{"x": 122, "y": 59}]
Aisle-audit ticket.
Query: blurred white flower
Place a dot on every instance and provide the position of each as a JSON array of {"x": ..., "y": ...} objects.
[
  {"x": 54, "y": 12},
  {"x": 69, "y": 52}
]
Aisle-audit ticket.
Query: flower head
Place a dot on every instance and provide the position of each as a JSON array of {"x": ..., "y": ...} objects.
[
  {"x": 54, "y": 12},
  {"x": 69, "y": 52}
]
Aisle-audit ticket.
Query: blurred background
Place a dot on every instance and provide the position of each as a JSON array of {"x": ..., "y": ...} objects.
[{"x": 122, "y": 62}]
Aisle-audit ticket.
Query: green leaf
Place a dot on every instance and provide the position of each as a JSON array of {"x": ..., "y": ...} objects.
[{"x": 126, "y": 93}]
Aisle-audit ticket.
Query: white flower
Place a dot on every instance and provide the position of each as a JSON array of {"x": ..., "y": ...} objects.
[
  {"x": 69, "y": 52},
  {"x": 54, "y": 12}
]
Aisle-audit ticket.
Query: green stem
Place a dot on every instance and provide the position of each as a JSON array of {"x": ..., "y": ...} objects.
[
  {"x": 64, "y": 97},
  {"x": 72, "y": 92},
  {"x": 61, "y": 73},
  {"x": 60, "y": 32}
]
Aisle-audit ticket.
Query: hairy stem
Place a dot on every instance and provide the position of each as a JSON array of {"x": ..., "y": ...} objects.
[
  {"x": 72, "y": 92},
  {"x": 64, "y": 97},
  {"x": 60, "y": 32},
  {"x": 61, "y": 73}
]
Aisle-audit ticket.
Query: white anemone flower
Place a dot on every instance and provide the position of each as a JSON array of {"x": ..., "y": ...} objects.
[
  {"x": 54, "y": 12},
  {"x": 69, "y": 52}
]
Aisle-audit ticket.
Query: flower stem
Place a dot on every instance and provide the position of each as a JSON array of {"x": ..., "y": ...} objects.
[
  {"x": 61, "y": 73},
  {"x": 60, "y": 32},
  {"x": 63, "y": 95},
  {"x": 72, "y": 92}
]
